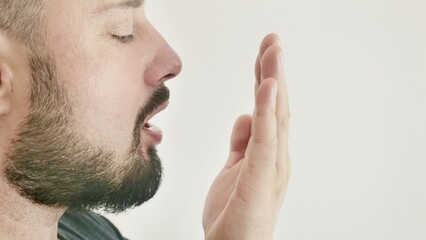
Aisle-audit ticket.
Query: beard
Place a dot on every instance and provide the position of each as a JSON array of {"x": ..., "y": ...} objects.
[{"x": 50, "y": 163}]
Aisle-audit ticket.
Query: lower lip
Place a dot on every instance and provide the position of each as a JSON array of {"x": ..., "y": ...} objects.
[{"x": 154, "y": 134}]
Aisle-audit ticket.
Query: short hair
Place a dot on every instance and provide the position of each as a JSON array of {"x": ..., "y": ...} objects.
[{"x": 22, "y": 19}]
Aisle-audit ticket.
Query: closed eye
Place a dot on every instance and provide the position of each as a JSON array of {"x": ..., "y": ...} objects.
[{"x": 126, "y": 39}]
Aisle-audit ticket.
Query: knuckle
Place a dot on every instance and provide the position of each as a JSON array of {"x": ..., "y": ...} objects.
[
  {"x": 267, "y": 113},
  {"x": 265, "y": 144},
  {"x": 285, "y": 120},
  {"x": 245, "y": 193}
]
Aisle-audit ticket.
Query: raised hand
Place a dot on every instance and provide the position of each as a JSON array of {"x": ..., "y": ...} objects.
[{"x": 245, "y": 199}]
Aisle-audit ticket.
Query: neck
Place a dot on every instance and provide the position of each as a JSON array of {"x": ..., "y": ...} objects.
[{"x": 22, "y": 219}]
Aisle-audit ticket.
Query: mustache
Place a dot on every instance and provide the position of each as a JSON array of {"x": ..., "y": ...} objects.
[{"x": 161, "y": 95}]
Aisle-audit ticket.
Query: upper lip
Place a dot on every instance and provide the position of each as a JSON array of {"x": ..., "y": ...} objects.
[{"x": 157, "y": 110}]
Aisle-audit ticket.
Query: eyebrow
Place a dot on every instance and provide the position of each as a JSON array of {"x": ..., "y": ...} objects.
[{"x": 126, "y": 4}]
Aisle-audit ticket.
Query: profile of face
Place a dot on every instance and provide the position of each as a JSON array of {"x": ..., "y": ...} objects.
[{"x": 94, "y": 82}]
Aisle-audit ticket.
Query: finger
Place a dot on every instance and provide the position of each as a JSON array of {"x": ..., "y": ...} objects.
[
  {"x": 271, "y": 65},
  {"x": 258, "y": 73},
  {"x": 239, "y": 140},
  {"x": 264, "y": 129},
  {"x": 269, "y": 40}
]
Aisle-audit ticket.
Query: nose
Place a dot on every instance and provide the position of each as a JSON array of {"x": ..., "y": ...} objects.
[{"x": 166, "y": 63}]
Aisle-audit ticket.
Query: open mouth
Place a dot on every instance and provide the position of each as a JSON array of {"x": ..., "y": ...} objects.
[
  {"x": 153, "y": 132},
  {"x": 157, "y": 110}
]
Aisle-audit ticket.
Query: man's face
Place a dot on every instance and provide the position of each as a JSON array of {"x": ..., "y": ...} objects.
[{"x": 99, "y": 78}]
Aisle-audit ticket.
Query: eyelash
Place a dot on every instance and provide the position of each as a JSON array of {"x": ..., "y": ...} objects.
[{"x": 124, "y": 39}]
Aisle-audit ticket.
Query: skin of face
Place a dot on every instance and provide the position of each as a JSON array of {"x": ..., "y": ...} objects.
[
  {"x": 107, "y": 81},
  {"x": 105, "y": 67}
]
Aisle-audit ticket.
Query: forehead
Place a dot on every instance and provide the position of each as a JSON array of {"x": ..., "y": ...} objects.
[
  {"x": 94, "y": 6},
  {"x": 61, "y": 15},
  {"x": 119, "y": 4}
]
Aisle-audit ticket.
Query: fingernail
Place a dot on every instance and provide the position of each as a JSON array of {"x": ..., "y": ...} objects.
[{"x": 281, "y": 61}]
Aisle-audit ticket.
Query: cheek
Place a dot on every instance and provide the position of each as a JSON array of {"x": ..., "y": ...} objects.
[
  {"x": 115, "y": 90},
  {"x": 108, "y": 100}
]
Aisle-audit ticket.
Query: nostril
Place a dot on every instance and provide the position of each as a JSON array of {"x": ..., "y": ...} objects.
[{"x": 168, "y": 76}]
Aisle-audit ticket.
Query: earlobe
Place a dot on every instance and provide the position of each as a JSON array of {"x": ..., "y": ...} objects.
[{"x": 5, "y": 90}]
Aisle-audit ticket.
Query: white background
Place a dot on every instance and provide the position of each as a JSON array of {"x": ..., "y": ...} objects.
[{"x": 356, "y": 71}]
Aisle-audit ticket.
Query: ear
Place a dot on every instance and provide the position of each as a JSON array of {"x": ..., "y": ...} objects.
[
  {"x": 6, "y": 75},
  {"x": 6, "y": 90}
]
